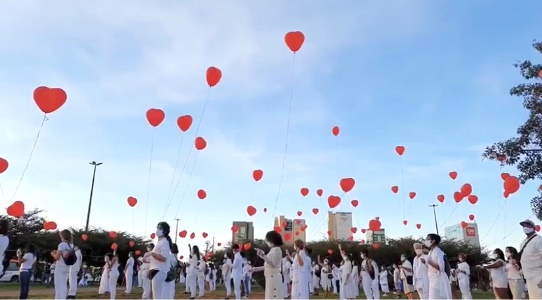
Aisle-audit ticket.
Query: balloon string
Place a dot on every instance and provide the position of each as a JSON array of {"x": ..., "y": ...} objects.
[
  {"x": 2, "y": 192},
  {"x": 337, "y": 156},
  {"x": 287, "y": 136},
  {"x": 317, "y": 228},
  {"x": 189, "y": 152},
  {"x": 517, "y": 228},
  {"x": 504, "y": 221},
  {"x": 493, "y": 225},
  {"x": 403, "y": 187},
  {"x": 187, "y": 186},
  {"x": 449, "y": 216},
  {"x": 176, "y": 166},
  {"x": 29, "y": 157},
  {"x": 133, "y": 222},
  {"x": 149, "y": 180}
]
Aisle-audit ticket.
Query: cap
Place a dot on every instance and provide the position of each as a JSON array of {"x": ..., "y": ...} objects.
[{"x": 527, "y": 223}]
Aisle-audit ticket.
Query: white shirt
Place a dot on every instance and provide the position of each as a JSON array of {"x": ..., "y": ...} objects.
[
  {"x": 513, "y": 273},
  {"x": 172, "y": 261},
  {"x": 364, "y": 269},
  {"x": 314, "y": 269},
  {"x": 63, "y": 248},
  {"x": 145, "y": 265},
  {"x": 463, "y": 266},
  {"x": 237, "y": 271},
  {"x": 162, "y": 248},
  {"x": 419, "y": 268},
  {"x": 531, "y": 258},
  {"x": 130, "y": 265},
  {"x": 192, "y": 266},
  {"x": 78, "y": 261},
  {"x": 29, "y": 262},
  {"x": 437, "y": 256},
  {"x": 227, "y": 264},
  {"x": 383, "y": 277},
  {"x": 404, "y": 272},
  {"x": 247, "y": 271},
  {"x": 4, "y": 243},
  {"x": 308, "y": 268},
  {"x": 200, "y": 266},
  {"x": 396, "y": 275}
]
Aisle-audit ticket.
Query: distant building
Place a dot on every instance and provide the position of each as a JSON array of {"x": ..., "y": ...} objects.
[
  {"x": 374, "y": 237},
  {"x": 340, "y": 225},
  {"x": 468, "y": 234},
  {"x": 291, "y": 227},
  {"x": 245, "y": 232}
]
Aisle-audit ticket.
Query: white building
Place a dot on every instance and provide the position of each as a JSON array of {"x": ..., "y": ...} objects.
[
  {"x": 468, "y": 234},
  {"x": 340, "y": 225},
  {"x": 373, "y": 237}
]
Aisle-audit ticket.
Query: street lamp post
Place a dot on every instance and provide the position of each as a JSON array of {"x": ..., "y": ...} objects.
[
  {"x": 95, "y": 164},
  {"x": 177, "y": 230},
  {"x": 435, "y": 215}
]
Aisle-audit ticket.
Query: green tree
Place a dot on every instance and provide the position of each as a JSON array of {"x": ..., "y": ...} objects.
[{"x": 525, "y": 150}]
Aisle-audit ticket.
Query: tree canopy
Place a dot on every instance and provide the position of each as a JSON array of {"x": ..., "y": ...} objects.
[{"x": 525, "y": 150}]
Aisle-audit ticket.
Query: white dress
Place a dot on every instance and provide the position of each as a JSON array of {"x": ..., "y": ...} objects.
[
  {"x": 439, "y": 283},
  {"x": 354, "y": 281},
  {"x": 113, "y": 277},
  {"x": 325, "y": 281},
  {"x": 300, "y": 287},
  {"x": 499, "y": 277},
  {"x": 384, "y": 285},
  {"x": 104, "y": 281},
  {"x": 346, "y": 291},
  {"x": 273, "y": 278}
]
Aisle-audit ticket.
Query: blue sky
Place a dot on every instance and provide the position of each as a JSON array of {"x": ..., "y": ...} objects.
[{"x": 433, "y": 76}]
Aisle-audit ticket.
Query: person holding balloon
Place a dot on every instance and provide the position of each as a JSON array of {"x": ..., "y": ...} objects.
[
  {"x": 300, "y": 287},
  {"x": 104, "y": 279},
  {"x": 158, "y": 260},
  {"x": 113, "y": 265}
]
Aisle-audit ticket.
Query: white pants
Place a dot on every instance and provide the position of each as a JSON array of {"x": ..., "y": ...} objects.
[
  {"x": 146, "y": 284},
  {"x": 227, "y": 283},
  {"x": 422, "y": 287},
  {"x": 464, "y": 287},
  {"x": 370, "y": 288},
  {"x": 158, "y": 284},
  {"x": 169, "y": 292},
  {"x": 212, "y": 284},
  {"x": 201, "y": 285},
  {"x": 237, "y": 287},
  {"x": 113, "y": 278},
  {"x": 285, "y": 292},
  {"x": 532, "y": 287},
  {"x": 315, "y": 283},
  {"x": 192, "y": 283},
  {"x": 335, "y": 283},
  {"x": 129, "y": 277},
  {"x": 72, "y": 280},
  {"x": 140, "y": 278},
  {"x": 61, "y": 282}
]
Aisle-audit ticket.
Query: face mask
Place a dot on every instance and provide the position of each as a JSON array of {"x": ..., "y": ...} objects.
[
  {"x": 493, "y": 255},
  {"x": 461, "y": 259},
  {"x": 527, "y": 230},
  {"x": 159, "y": 232},
  {"x": 363, "y": 256},
  {"x": 149, "y": 249},
  {"x": 507, "y": 254},
  {"x": 225, "y": 256},
  {"x": 418, "y": 251},
  {"x": 345, "y": 257},
  {"x": 427, "y": 243},
  {"x": 403, "y": 258}
]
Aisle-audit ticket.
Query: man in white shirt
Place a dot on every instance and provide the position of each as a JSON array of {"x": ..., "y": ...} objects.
[
  {"x": 531, "y": 259},
  {"x": 421, "y": 280},
  {"x": 237, "y": 271},
  {"x": 129, "y": 273},
  {"x": 74, "y": 270}
]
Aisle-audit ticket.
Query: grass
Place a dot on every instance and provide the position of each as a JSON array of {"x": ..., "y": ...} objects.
[{"x": 11, "y": 291}]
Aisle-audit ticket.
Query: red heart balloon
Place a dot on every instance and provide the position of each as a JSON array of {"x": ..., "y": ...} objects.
[
  {"x": 299, "y": 213},
  {"x": 504, "y": 176},
  {"x": 464, "y": 224},
  {"x": 376, "y": 245},
  {"x": 132, "y": 201},
  {"x": 3, "y": 165},
  {"x": 204, "y": 235},
  {"x": 264, "y": 209},
  {"x": 354, "y": 229},
  {"x": 183, "y": 233},
  {"x": 112, "y": 234},
  {"x": 200, "y": 143},
  {"x": 131, "y": 243},
  {"x": 16, "y": 209},
  {"x": 363, "y": 230},
  {"x": 333, "y": 201},
  {"x": 155, "y": 116},
  {"x": 257, "y": 175},
  {"x": 114, "y": 246},
  {"x": 298, "y": 221},
  {"x": 247, "y": 246},
  {"x": 84, "y": 237},
  {"x": 400, "y": 150},
  {"x": 453, "y": 175},
  {"x": 219, "y": 244},
  {"x": 471, "y": 217},
  {"x": 374, "y": 225},
  {"x": 319, "y": 192},
  {"x": 49, "y": 225},
  {"x": 458, "y": 197},
  {"x": 466, "y": 189},
  {"x": 418, "y": 226},
  {"x": 234, "y": 228},
  {"x": 329, "y": 232},
  {"x": 294, "y": 40},
  {"x": 412, "y": 195},
  {"x": 251, "y": 210},
  {"x": 192, "y": 235},
  {"x": 213, "y": 76},
  {"x": 287, "y": 237},
  {"x": 202, "y": 194},
  {"x": 395, "y": 189},
  {"x": 354, "y": 203},
  {"x": 153, "y": 235},
  {"x": 278, "y": 229},
  {"x": 315, "y": 211},
  {"x": 440, "y": 198},
  {"x": 347, "y": 184},
  {"x": 472, "y": 199},
  {"x": 184, "y": 122},
  {"x": 304, "y": 191},
  {"x": 49, "y": 100},
  {"x": 330, "y": 252},
  {"x": 335, "y": 131},
  {"x": 405, "y": 222}
]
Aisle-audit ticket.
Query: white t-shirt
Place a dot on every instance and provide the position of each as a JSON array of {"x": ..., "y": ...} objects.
[
  {"x": 463, "y": 266},
  {"x": 437, "y": 256},
  {"x": 130, "y": 265},
  {"x": 513, "y": 273},
  {"x": 419, "y": 268},
  {"x": 404, "y": 272},
  {"x": 237, "y": 272},
  {"x": 531, "y": 258},
  {"x": 63, "y": 248},
  {"x": 4, "y": 243},
  {"x": 162, "y": 248},
  {"x": 29, "y": 262},
  {"x": 79, "y": 259},
  {"x": 146, "y": 257}
]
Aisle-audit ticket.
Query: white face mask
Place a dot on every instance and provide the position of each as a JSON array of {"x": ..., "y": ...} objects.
[
  {"x": 149, "y": 249},
  {"x": 527, "y": 230},
  {"x": 345, "y": 257},
  {"x": 418, "y": 251},
  {"x": 225, "y": 256},
  {"x": 507, "y": 254},
  {"x": 363, "y": 256},
  {"x": 427, "y": 243},
  {"x": 403, "y": 258},
  {"x": 159, "y": 232},
  {"x": 492, "y": 255}
]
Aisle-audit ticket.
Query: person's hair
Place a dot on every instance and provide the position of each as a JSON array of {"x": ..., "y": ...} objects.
[
  {"x": 235, "y": 247},
  {"x": 175, "y": 249},
  {"x": 109, "y": 255},
  {"x": 348, "y": 256},
  {"x": 66, "y": 235},
  {"x": 299, "y": 244},
  {"x": 131, "y": 253},
  {"x": 4, "y": 227},
  {"x": 150, "y": 245},
  {"x": 365, "y": 252},
  {"x": 463, "y": 255},
  {"x": 513, "y": 251},
  {"x": 165, "y": 231},
  {"x": 434, "y": 237},
  {"x": 30, "y": 248},
  {"x": 417, "y": 246},
  {"x": 195, "y": 249},
  {"x": 309, "y": 250},
  {"x": 499, "y": 253},
  {"x": 242, "y": 254},
  {"x": 274, "y": 238}
]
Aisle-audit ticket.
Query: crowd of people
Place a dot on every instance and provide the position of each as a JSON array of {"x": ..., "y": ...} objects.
[{"x": 513, "y": 274}]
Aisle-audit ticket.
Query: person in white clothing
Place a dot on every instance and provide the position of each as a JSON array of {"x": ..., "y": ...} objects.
[
  {"x": 514, "y": 272},
  {"x": 325, "y": 276},
  {"x": 237, "y": 271},
  {"x": 26, "y": 262},
  {"x": 247, "y": 278},
  {"x": 316, "y": 274},
  {"x": 346, "y": 290},
  {"x": 421, "y": 280},
  {"x": 158, "y": 267},
  {"x": 129, "y": 273},
  {"x": 74, "y": 270},
  {"x": 272, "y": 265},
  {"x": 286, "y": 266},
  {"x": 62, "y": 270},
  {"x": 437, "y": 264},
  {"x": 407, "y": 276},
  {"x": 300, "y": 288},
  {"x": 226, "y": 274},
  {"x": 201, "y": 266},
  {"x": 104, "y": 280},
  {"x": 192, "y": 270},
  {"x": 146, "y": 281},
  {"x": 384, "y": 284},
  {"x": 139, "y": 273},
  {"x": 497, "y": 271},
  {"x": 211, "y": 277},
  {"x": 172, "y": 263},
  {"x": 336, "y": 271},
  {"x": 4, "y": 243},
  {"x": 463, "y": 277},
  {"x": 308, "y": 269},
  {"x": 369, "y": 276},
  {"x": 531, "y": 259},
  {"x": 113, "y": 265}
]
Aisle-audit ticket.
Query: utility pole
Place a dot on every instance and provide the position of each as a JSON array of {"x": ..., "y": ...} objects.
[
  {"x": 435, "y": 215},
  {"x": 177, "y": 230},
  {"x": 95, "y": 164}
]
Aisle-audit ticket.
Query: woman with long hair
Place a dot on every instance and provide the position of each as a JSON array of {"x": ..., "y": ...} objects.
[
  {"x": 192, "y": 272},
  {"x": 173, "y": 264},
  {"x": 514, "y": 272},
  {"x": 201, "y": 266},
  {"x": 62, "y": 270},
  {"x": 497, "y": 271},
  {"x": 104, "y": 280},
  {"x": 226, "y": 273},
  {"x": 272, "y": 265},
  {"x": 300, "y": 288},
  {"x": 158, "y": 260},
  {"x": 439, "y": 283},
  {"x": 26, "y": 262},
  {"x": 146, "y": 281},
  {"x": 113, "y": 265},
  {"x": 463, "y": 276},
  {"x": 346, "y": 290}
]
